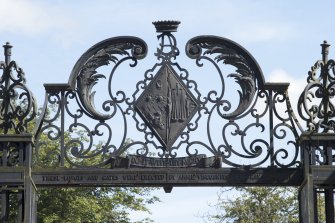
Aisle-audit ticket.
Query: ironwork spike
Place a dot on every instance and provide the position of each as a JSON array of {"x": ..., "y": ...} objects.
[
  {"x": 325, "y": 51},
  {"x": 7, "y": 52}
]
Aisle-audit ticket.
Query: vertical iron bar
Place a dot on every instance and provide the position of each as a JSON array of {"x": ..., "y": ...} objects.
[
  {"x": 7, "y": 52},
  {"x": 62, "y": 143},
  {"x": 270, "y": 102},
  {"x": 329, "y": 193},
  {"x": 329, "y": 155},
  {"x": 4, "y": 206},
  {"x": 316, "y": 212},
  {"x": 307, "y": 201},
  {"x": 312, "y": 155},
  {"x": 324, "y": 73},
  {"x": 20, "y": 198},
  {"x": 329, "y": 205},
  {"x": 21, "y": 157},
  {"x": 316, "y": 201},
  {"x": 307, "y": 192},
  {"x": 29, "y": 187},
  {"x": 4, "y": 154}
]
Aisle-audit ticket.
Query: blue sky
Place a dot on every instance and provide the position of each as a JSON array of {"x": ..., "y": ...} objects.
[
  {"x": 284, "y": 37},
  {"x": 49, "y": 36}
]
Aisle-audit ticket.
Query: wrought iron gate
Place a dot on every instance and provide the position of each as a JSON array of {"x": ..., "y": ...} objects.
[{"x": 168, "y": 128}]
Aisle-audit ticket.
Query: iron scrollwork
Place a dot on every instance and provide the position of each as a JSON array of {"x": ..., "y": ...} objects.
[
  {"x": 17, "y": 112},
  {"x": 257, "y": 101},
  {"x": 102, "y": 54},
  {"x": 168, "y": 109},
  {"x": 315, "y": 105},
  {"x": 247, "y": 70},
  {"x": 17, "y": 104},
  {"x": 76, "y": 137}
]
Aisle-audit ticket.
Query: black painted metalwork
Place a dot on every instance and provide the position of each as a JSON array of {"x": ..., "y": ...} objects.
[
  {"x": 17, "y": 102},
  {"x": 162, "y": 127},
  {"x": 168, "y": 108},
  {"x": 316, "y": 107},
  {"x": 17, "y": 111}
]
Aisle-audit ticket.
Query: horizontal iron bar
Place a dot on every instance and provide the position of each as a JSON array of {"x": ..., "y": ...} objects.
[
  {"x": 22, "y": 137},
  {"x": 11, "y": 176},
  {"x": 276, "y": 86},
  {"x": 57, "y": 87},
  {"x": 324, "y": 175},
  {"x": 171, "y": 177},
  {"x": 317, "y": 139}
]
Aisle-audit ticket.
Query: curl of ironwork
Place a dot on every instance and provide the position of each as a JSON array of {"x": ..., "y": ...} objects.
[
  {"x": 247, "y": 69},
  {"x": 49, "y": 133},
  {"x": 84, "y": 74},
  {"x": 17, "y": 104},
  {"x": 11, "y": 154}
]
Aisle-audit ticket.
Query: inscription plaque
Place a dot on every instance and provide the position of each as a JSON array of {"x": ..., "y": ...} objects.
[
  {"x": 200, "y": 161},
  {"x": 167, "y": 176}
]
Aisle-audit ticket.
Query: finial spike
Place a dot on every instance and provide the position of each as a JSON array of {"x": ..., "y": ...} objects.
[
  {"x": 325, "y": 51},
  {"x": 7, "y": 52}
]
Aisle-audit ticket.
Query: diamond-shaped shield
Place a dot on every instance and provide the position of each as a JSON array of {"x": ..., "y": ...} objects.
[{"x": 166, "y": 106}]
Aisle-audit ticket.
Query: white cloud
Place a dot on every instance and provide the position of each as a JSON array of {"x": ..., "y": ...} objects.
[
  {"x": 296, "y": 87},
  {"x": 65, "y": 22},
  {"x": 32, "y": 18},
  {"x": 247, "y": 21}
]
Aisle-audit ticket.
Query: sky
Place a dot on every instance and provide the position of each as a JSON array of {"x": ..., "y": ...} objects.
[{"x": 283, "y": 36}]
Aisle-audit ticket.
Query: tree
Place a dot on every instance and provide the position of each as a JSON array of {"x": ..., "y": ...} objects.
[
  {"x": 261, "y": 205},
  {"x": 257, "y": 205},
  {"x": 103, "y": 205}
]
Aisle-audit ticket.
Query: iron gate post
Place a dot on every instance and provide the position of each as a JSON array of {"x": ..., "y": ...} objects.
[
  {"x": 307, "y": 192},
  {"x": 319, "y": 178},
  {"x": 29, "y": 188},
  {"x": 307, "y": 203},
  {"x": 17, "y": 110},
  {"x": 18, "y": 189}
]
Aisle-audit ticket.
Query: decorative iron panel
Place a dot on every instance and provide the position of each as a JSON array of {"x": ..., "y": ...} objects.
[{"x": 167, "y": 115}]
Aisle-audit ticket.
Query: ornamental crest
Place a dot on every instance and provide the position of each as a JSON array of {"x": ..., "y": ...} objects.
[{"x": 166, "y": 106}]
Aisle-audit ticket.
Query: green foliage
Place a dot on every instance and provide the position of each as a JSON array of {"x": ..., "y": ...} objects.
[
  {"x": 85, "y": 204},
  {"x": 101, "y": 205},
  {"x": 82, "y": 204},
  {"x": 257, "y": 205},
  {"x": 88, "y": 204}
]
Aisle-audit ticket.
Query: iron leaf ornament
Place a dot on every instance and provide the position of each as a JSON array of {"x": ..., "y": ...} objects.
[
  {"x": 85, "y": 76},
  {"x": 247, "y": 69}
]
